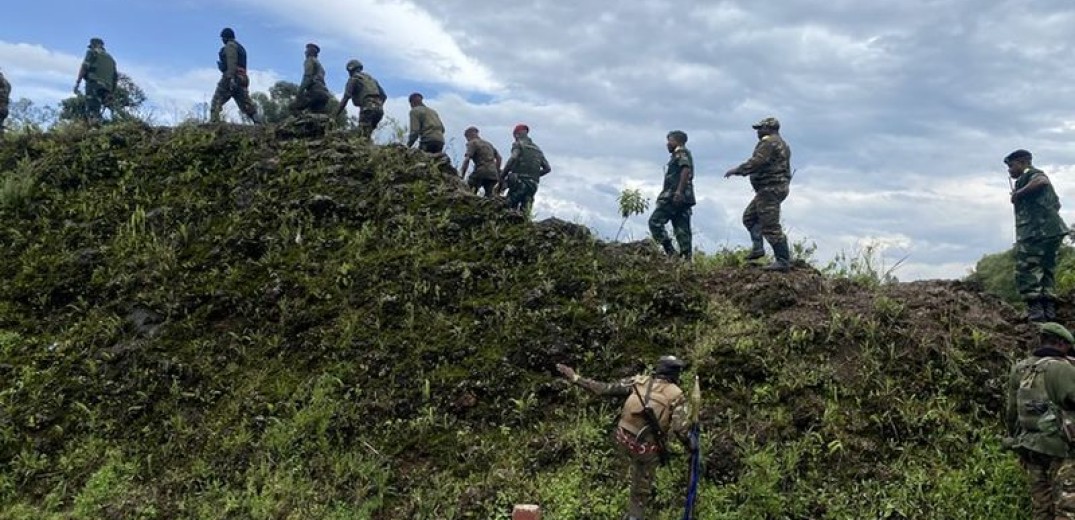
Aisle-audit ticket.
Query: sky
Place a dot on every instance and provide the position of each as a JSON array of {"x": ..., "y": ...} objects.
[{"x": 898, "y": 114}]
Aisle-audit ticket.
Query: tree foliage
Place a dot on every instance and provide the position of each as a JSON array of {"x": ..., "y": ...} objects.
[
  {"x": 126, "y": 101},
  {"x": 275, "y": 104},
  {"x": 996, "y": 273},
  {"x": 631, "y": 202}
]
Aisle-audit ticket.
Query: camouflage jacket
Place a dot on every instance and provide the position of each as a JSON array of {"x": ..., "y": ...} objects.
[
  {"x": 681, "y": 158},
  {"x": 426, "y": 126},
  {"x": 484, "y": 155},
  {"x": 1037, "y": 215},
  {"x": 770, "y": 165},
  {"x": 1057, "y": 389},
  {"x": 365, "y": 92},
  {"x": 675, "y": 419},
  {"x": 313, "y": 76},
  {"x": 527, "y": 160},
  {"x": 232, "y": 59},
  {"x": 99, "y": 67}
]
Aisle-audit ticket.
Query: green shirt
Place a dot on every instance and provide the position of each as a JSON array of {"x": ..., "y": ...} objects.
[
  {"x": 426, "y": 126},
  {"x": 484, "y": 156},
  {"x": 99, "y": 67},
  {"x": 680, "y": 160},
  {"x": 1059, "y": 386},
  {"x": 1037, "y": 215},
  {"x": 770, "y": 165},
  {"x": 364, "y": 91},
  {"x": 313, "y": 76},
  {"x": 527, "y": 159}
]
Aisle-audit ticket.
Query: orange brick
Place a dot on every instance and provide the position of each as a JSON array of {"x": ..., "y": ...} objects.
[{"x": 526, "y": 512}]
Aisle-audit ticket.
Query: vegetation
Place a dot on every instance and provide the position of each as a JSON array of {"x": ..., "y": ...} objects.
[
  {"x": 996, "y": 274},
  {"x": 217, "y": 323},
  {"x": 631, "y": 203}
]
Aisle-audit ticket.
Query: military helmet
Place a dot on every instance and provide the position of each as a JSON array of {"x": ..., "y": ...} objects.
[
  {"x": 669, "y": 365},
  {"x": 1058, "y": 330},
  {"x": 769, "y": 122},
  {"x": 96, "y": 42},
  {"x": 354, "y": 65},
  {"x": 1018, "y": 155},
  {"x": 228, "y": 33}
]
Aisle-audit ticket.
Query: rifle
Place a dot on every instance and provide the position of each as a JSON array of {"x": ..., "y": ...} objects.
[{"x": 653, "y": 423}]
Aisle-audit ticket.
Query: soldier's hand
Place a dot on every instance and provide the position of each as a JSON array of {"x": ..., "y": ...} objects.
[
  {"x": 729, "y": 173},
  {"x": 567, "y": 372},
  {"x": 75, "y": 90}
]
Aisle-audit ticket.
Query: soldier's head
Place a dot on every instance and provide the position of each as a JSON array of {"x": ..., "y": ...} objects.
[
  {"x": 354, "y": 66},
  {"x": 669, "y": 367},
  {"x": 1018, "y": 161},
  {"x": 767, "y": 126},
  {"x": 96, "y": 43},
  {"x": 471, "y": 133},
  {"x": 312, "y": 49},
  {"x": 1057, "y": 336},
  {"x": 415, "y": 99},
  {"x": 227, "y": 34},
  {"x": 520, "y": 130},
  {"x": 676, "y": 138}
]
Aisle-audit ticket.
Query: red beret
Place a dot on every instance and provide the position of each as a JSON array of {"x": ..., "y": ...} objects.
[{"x": 521, "y": 128}]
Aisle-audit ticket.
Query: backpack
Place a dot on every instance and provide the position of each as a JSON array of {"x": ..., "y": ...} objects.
[{"x": 1037, "y": 413}]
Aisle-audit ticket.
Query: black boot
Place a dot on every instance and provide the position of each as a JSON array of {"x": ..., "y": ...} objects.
[
  {"x": 783, "y": 257},
  {"x": 1048, "y": 306},
  {"x": 757, "y": 245},
  {"x": 1035, "y": 311},
  {"x": 668, "y": 249}
]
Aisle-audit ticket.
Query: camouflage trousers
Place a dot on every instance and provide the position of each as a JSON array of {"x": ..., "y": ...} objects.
[
  {"x": 680, "y": 215},
  {"x": 431, "y": 146},
  {"x": 1052, "y": 486},
  {"x": 314, "y": 101},
  {"x": 1035, "y": 267},
  {"x": 97, "y": 98},
  {"x": 521, "y": 193},
  {"x": 486, "y": 181},
  {"x": 3, "y": 116},
  {"x": 368, "y": 119},
  {"x": 643, "y": 473},
  {"x": 231, "y": 89},
  {"x": 763, "y": 213}
]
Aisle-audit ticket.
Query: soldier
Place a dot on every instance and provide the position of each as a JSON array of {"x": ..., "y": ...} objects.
[
  {"x": 676, "y": 198},
  {"x": 313, "y": 94},
  {"x": 1039, "y": 231},
  {"x": 644, "y": 444},
  {"x": 524, "y": 170},
  {"x": 99, "y": 71},
  {"x": 366, "y": 94},
  {"x": 770, "y": 175},
  {"x": 426, "y": 127},
  {"x": 233, "y": 80},
  {"x": 486, "y": 163},
  {"x": 5, "y": 99},
  {"x": 1040, "y": 399}
]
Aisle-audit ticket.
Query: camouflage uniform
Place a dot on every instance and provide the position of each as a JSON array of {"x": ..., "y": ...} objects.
[
  {"x": 233, "y": 84},
  {"x": 1039, "y": 231},
  {"x": 485, "y": 174},
  {"x": 523, "y": 173},
  {"x": 313, "y": 93},
  {"x": 99, "y": 71},
  {"x": 769, "y": 169},
  {"x": 5, "y": 99},
  {"x": 366, "y": 94},
  {"x": 632, "y": 433},
  {"x": 427, "y": 129},
  {"x": 667, "y": 209},
  {"x": 1041, "y": 388}
]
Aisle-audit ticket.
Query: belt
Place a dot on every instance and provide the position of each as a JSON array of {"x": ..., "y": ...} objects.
[{"x": 633, "y": 445}]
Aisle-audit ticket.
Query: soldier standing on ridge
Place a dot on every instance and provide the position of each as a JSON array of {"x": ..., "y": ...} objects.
[
  {"x": 233, "y": 80},
  {"x": 643, "y": 438},
  {"x": 426, "y": 127},
  {"x": 676, "y": 198},
  {"x": 1040, "y": 401},
  {"x": 5, "y": 100},
  {"x": 313, "y": 94},
  {"x": 1039, "y": 231},
  {"x": 486, "y": 163},
  {"x": 770, "y": 176},
  {"x": 366, "y": 94},
  {"x": 524, "y": 170},
  {"x": 99, "y": 70}
]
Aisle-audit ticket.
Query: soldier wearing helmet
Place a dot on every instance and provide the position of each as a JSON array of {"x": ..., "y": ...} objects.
[
  {"x": 769, "y": 169},
  {"x": 366, "y": 94},
  {"x": 234, "y": 82},
  {"x": 1041, "y": 428},
  {"x": 99, "y": 70},
  {"x": 635, "y": 435}
]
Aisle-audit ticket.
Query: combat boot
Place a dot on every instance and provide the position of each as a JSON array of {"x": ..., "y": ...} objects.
[
  {"x": 668, "y": 249},
  {"x": 1048, "y": 307},
  {"x": 782, "y": 262},
  {"x": 757, "y": 244},
  {"x": 1035, "y": 311}
]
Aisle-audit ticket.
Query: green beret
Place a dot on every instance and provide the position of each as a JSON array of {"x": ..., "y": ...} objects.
[{"x": 1059, "y": 331}]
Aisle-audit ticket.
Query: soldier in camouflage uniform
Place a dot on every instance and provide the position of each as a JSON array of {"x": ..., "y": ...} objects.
[
  {"x": 234, "y": 83},
  {"x": 1040, "y": 398},
  {"x": 99, "y": 70},
  {"x": 769, "y": 170},
  {"x": 1039, "y": 231},
  {"x": 426, "y": 127},
  {"x": 486, "y": 163},
  {"x": 633, "y": 433},
  {"x": 524, "y": 170},
  {"x": 5, "y": 100},
  {"x": 676, "y": 198},
  {"x": 366, "y": 94},
  {"x": 313, "y": 94}
]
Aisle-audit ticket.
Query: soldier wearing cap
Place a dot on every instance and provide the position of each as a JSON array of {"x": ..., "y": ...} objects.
[
  {"x": 676, "y": 199},
  {"x": 313, "y": 94},
  {"x": 234, "y": 82},
  {"x": 366, "y": 94},
  {"x": 1039, "y": 231},
  {"x": 99, "y": 70},
  {"x": 5, "y": 99},
  {"x": 426, "y": 127},
  {"x": 769, "y": 169},
  {"x": 1038, "y": 419},
  {"x": 634, "y": 434},
  {"x": 524, "y": 170},
  {"x": 486, "y": 163}
]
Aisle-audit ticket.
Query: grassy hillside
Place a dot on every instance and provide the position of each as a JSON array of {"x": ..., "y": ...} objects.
[{"x": 229, "y": 322}]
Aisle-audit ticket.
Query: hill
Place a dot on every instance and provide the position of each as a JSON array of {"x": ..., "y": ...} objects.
[{"x": 233, "y": 322}]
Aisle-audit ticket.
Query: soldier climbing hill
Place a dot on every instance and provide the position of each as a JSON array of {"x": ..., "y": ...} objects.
[{"x": 234, "y": 82}]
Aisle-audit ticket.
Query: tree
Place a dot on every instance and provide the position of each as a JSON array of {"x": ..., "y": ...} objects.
[
  {"x": 24, "y": 115},
  {"x": 127, "y": 98},
  {"x": 275, "y": 106},
  {"x": 631, "y": 203}
]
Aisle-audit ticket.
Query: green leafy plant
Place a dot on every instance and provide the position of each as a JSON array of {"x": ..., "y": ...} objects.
[{"x": 631, "y": 202}]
